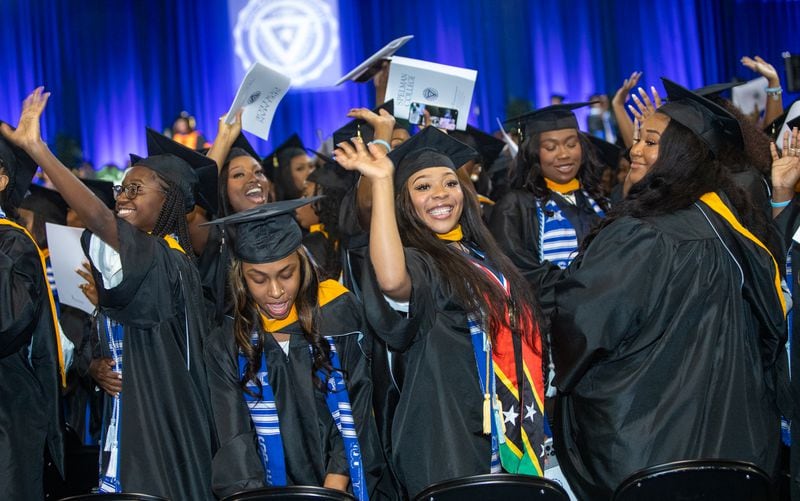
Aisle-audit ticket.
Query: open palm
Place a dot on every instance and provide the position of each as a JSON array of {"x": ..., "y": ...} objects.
[
  {"x": 371, "y": 160},
  {"x": 28, "y": 131}
]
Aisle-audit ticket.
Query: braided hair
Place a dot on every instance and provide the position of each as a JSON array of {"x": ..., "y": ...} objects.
[{"x": 172, "y": 217}]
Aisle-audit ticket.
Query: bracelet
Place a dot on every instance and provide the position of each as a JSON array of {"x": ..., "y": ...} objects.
[
  {"x": 774, "y": 91},
  {"x": 382, "y": 143},
  {"x": 779, "y": 205}
]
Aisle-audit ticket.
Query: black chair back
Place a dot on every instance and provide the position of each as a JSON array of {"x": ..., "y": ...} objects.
[
  {"x": 124, "y": 496},
  {"x": 494, "y": 487},
  {"x": 696, "y": 480},
  {"x": 294, "y": 492}
]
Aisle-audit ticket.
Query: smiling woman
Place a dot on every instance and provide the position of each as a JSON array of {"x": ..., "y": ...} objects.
[{"x": 446, "y": 301}]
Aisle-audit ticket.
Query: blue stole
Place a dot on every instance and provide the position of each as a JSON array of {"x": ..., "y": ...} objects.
[
  {"x": 264, "y": 414},
  {"x": 558, "y": 242},
  {"x": 109, "y": 479}
]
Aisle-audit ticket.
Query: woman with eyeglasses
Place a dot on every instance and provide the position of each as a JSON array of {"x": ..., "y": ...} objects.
[{"x": 157, "y": 432}]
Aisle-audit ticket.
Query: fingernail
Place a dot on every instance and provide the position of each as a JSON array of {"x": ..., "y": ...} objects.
[{"x": 653, "y": 89}]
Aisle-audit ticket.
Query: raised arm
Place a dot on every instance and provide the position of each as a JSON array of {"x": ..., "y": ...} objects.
[
  {"x": 385, "y": 246},
  {"x": 624, "y": 122},
  {"x": 785, "y": 171},
  {"x": 226, "y": 135},
  {"x": 96, "y": 216},
  {"x": 774, "y": 107}
]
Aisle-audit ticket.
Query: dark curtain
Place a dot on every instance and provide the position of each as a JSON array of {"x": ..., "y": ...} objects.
[{"x": 114, "y": 67}]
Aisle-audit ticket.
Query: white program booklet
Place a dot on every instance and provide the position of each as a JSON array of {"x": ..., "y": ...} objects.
[
  {"x": 259, "y": 94},
  {"x": 445, "y": 92},
  {"x": 750, "y": 96},
  {"x": 366, "y": 70},
  {"x": 66, "y": 256}
]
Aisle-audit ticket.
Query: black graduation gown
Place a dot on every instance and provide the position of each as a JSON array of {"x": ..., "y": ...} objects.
[
  {"x": 312, "y": 444},
  {"x": 81, "y": 395},
  {"x": 665, "y": 350},
  {"x": 515, "y": 226},
  {"x": 788, "y": 223},
  {"x": 213, "y": 265},
  {"x": 167, "y": 429},
  {"x": 323, "y": 254},
  {"x": 437, "y": 427},
  {"x": 29, "y": 390}
]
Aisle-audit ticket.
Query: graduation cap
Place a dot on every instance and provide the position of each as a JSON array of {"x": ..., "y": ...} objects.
[
  {"x": 266, "y": 233},
  {"x": 20, "y": 169},
  {"x": 608, "y": 153},
  {"x": 773, "y": 130},
  {"x": 46, "y": 203},
  {"x": 429, "y": 148},
  {"x": 104, "y": 190},
  {"x": 487, "y": 145},
  {"x": 715, "y": 89},
  {"x": 712, "y": 123},
  {"x": 183, "y": 167},
  {"x": 332, "y": 176},
  {"x": 795, "y": 122},
  {"x": 360, "y": 128},
  {"x": 276, "y": 159},
  {"x": 555, "y": 117}
]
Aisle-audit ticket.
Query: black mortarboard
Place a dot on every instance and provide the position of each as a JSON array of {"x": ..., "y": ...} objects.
[
  {"x": 47, "y": 203},
  {"x": 20, "y": 169},
  {"x": 774, "y": 128},
  {"x": 333, "y": 176},
  {"x": 712, "y": 123},
  {"x": 487, "y": 145},
  {"x": 795, "y": 122},
  {"x": 180, "y": 165},
  {"x": 428, "y": 148},
  {"x": 718, "y": 88},
  {"x": 242, "y": 143},
  {"x": 274, "y": 160},
  {"x": 266, "y": 233},
  {"x": 608, "y": 153},
  {"x": 358, "y": 127},
  {"x": 104, "y": 190},
  {"x": 555, "y": 117}
]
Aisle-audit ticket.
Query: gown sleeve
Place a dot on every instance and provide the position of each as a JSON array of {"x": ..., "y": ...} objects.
[
  {"x": 21, "y": 278},
  {"x": 604, "y": 298},
  {"x": 396, "y": 328},
  {"x": 236, "y": 465},
  {"x": 144, "y": 296}
]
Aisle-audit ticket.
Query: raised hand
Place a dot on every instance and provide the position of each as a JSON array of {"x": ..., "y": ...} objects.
[
  {"x": 370, "y": 160},
  {"x": 621, "y": 96},
  {"x": 786, "y": 165},
  {"x": 763, "y": 68},
  {"x": 89, "y": 290},
  {"x": 644, "y": 106},
  {"x": 229, "y": 132},
  {"x": 28, "y": 131},
  {"x": 382, "y": 122}
]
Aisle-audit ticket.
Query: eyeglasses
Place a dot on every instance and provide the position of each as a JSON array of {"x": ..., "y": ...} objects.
[{"x": 131, "y": 190}]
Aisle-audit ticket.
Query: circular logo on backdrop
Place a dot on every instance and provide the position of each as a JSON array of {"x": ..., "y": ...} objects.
[
  {"x": 299, "y": 39},
  {"x": 430, "y": 94}
]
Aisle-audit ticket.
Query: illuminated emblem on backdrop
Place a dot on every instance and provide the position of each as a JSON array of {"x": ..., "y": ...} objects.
[{"x": 298, "y": 38}]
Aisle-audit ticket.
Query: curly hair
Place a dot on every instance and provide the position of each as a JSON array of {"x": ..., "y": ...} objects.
[
  {"x": 247, "y": 319},
  {"x": 685, "y": 170},
  {"x": 5, "y": 195},
  {"x": 527, "y": 173},
  {"x": 756, "y": 144}
]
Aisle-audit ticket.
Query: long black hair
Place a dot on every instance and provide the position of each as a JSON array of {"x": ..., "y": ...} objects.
[
  {"x": 224, "y": 202},
  {"x": 5, "y": 195},
  {"x": 527, "y": 172},
  {"x": 684, "y": 171},
  {"x": 472, "y": 287},
  {"x": 285, "y": 188},
  {"x": 247, "y": 318}
]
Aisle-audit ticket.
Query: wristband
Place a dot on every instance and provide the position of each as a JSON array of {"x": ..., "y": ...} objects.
[
  {"x": 382, "y": 143},
  {"x": 779, "y": 205}
]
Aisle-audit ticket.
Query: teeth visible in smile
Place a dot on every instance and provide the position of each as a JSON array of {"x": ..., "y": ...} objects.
[
  {"x": 253, "y": 191},
  {"x": 125, "y": 211},
  {"x": 440, "y": 211}
]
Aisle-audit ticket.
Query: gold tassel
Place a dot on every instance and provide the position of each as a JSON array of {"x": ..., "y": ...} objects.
[{"x": 487, "y": 414}]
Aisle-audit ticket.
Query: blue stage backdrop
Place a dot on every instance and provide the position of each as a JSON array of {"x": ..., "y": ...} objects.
[{"x": 115, "y": 67}]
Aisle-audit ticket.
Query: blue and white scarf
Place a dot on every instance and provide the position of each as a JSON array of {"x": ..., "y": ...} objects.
[
  {"x": 558, "y": 242},
  {"x": 264, "y": 414},
  {"x": 110, "y": 478}
]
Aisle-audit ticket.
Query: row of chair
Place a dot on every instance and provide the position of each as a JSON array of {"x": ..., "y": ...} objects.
[{"x": 682, "y": 480}]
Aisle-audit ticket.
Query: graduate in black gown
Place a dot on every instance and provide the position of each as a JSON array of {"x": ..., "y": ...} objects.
[
  {"x": 273, "y": 366},
  {"x": 438, "y": 290},
  {"x": 31, "y": 365},
  {"x": 670, "y": 325},
  {"x": 150, "y": 298}
]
